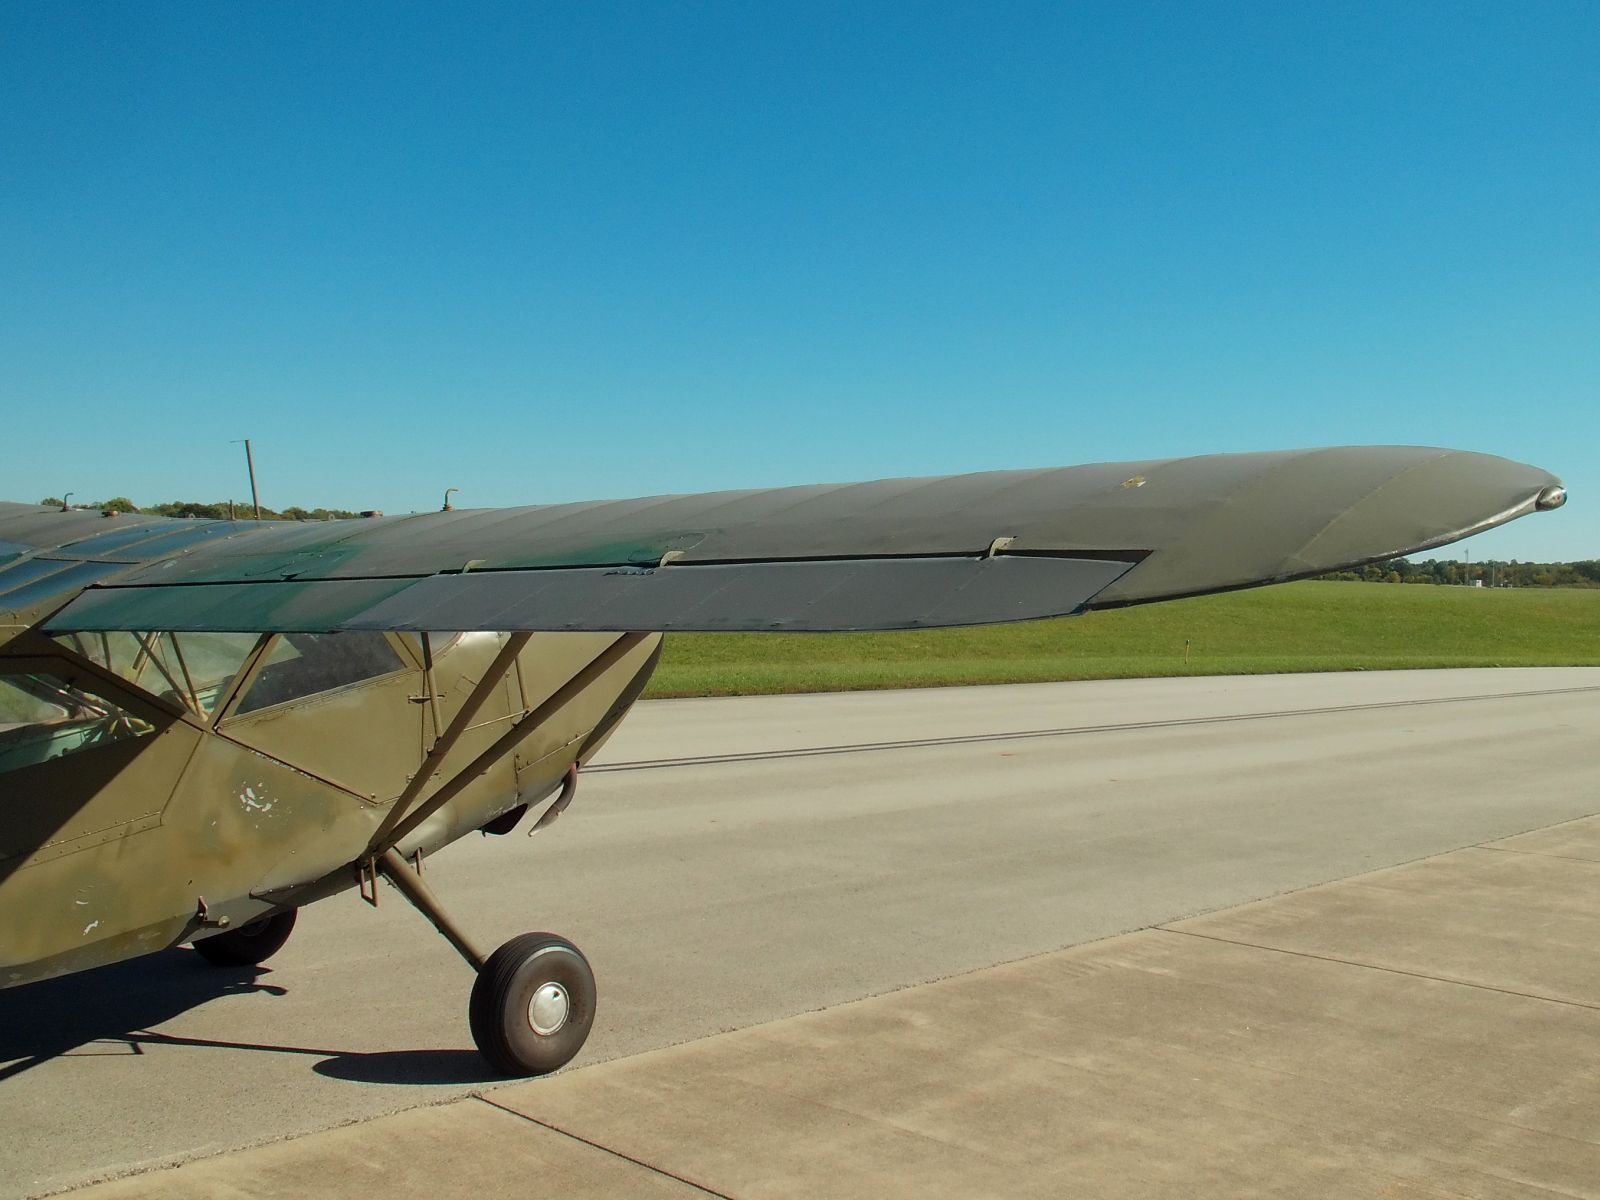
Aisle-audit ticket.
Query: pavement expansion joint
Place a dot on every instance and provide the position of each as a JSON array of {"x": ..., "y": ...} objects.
[
  {"x": 654, "y": 1168},
  {"x": 1366, "y": 966}
]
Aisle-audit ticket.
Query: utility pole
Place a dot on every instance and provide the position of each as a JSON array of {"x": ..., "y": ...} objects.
[{"x": 250, "y": 465}]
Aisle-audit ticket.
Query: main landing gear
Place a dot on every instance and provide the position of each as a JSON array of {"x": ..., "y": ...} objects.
[
  {"x": 532, "y": 1004},
  {"x": 250, "y": 944},
  {"x": 534, "y": 998}
]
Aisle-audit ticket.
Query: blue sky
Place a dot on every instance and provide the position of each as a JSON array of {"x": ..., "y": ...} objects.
[{"x": 544, "y": 253}]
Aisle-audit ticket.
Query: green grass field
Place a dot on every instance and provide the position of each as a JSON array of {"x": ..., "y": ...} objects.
[{"x": 1309, "y": 626}]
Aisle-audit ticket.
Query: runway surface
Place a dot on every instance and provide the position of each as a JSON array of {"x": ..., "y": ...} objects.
[{"x": 737, "y": 861}]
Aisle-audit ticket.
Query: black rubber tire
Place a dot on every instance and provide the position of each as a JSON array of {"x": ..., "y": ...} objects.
[
  {"x": 250, "y": 944},
  {"x": 504, "y": 990}
]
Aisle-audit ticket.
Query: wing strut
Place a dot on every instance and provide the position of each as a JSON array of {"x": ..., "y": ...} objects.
[
  {"x": 447, "y": 740},
  {"x": 396, "y": 831}
]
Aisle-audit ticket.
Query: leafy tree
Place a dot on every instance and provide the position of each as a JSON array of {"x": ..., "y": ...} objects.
[{"x": 189, "y": 508}]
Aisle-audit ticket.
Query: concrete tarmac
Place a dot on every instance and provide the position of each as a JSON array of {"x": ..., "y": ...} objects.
[{"x": 829, "y": 848}]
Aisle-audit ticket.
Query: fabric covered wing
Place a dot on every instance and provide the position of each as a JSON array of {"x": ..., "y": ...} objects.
[{"x": 893, "y": 554}]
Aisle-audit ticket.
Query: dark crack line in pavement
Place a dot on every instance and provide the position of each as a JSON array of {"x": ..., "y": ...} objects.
[
  {"x": 1068, "y": 731},
  {"x": 1538, "y": 853},
  {"x": 1347, "y": 962},
  {"x": 601, "y": 1146}
]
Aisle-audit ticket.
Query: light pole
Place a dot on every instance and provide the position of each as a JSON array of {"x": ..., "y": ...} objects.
[{"x": 250, "y": 465}]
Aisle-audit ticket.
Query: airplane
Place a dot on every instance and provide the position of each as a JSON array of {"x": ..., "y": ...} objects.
[{"x": 207, "y": 724}]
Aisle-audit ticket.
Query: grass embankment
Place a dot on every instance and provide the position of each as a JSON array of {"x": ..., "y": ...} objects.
[{"x": 1310, "y": 626}]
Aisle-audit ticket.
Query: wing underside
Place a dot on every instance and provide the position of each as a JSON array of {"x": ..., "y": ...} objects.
[{"x": 894, "y": 554}]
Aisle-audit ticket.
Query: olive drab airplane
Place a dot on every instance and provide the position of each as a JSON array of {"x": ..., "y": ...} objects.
[{"x": 205, "y": 725}]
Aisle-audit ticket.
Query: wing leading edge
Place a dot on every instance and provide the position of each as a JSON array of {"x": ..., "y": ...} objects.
[{"x": 893, "y": 554}]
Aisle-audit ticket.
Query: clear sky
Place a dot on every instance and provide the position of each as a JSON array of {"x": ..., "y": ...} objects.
[{"x": 562, "y": 252}]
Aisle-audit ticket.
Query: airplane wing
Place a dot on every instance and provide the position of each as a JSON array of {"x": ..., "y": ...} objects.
[{"x": 892, "y": 554}]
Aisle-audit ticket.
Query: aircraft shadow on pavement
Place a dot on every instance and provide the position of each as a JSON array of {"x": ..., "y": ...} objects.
[
  {"x": 117, "y": 1010},
  {"x": 410, "y": 1066},
  {"x": 111, "y": 1005}
]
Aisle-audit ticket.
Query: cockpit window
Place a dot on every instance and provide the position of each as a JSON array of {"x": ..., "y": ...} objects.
[
  {"x": 190, "y": 669},
  {"x": 43, "y": 716},
  {"x": 302, "y": 664}
]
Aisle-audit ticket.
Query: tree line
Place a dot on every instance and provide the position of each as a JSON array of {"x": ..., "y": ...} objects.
[
  {"x": 223, "y": 510},
  {"x": 1490, "y": 572}
]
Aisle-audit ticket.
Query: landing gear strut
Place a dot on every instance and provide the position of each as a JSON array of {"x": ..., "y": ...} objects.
[{"x": 533, "y": 1001}]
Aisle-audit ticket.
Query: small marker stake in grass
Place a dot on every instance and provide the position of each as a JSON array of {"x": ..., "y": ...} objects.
[{"x": 1185, "y": 651}]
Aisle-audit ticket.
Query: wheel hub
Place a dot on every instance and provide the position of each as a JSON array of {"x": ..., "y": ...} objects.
[{"x": 547, "y": 1011}]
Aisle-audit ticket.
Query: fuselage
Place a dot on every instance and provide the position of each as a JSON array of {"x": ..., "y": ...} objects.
[{"x": 158, "y": 787}]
